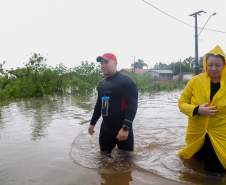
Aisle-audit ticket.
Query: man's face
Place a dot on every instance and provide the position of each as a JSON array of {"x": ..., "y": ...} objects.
[
  {"x": 214, "y": 67},
  {"x": 108, "y": 67}
]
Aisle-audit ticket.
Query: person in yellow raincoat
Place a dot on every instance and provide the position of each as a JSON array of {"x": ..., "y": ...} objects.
[{"x": 203, "y": 100}]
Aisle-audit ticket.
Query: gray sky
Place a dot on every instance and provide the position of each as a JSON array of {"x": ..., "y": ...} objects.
[{"x": 69, "y": 31}]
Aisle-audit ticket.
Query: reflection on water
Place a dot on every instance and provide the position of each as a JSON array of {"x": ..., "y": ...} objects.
[
  {"x": 122, "y": 178},
  {"x": 85, "y": 151},
  {"x": 46, "y": 134},
  {"x": 1, "y": 120},
  {"x": 114, "y": 169}
]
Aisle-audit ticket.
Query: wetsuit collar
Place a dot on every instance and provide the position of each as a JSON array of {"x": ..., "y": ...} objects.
[{"x": 112, "y": 76}]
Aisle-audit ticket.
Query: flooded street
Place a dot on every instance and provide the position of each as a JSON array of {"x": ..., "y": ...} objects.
[{"x": 45, "y": 142}]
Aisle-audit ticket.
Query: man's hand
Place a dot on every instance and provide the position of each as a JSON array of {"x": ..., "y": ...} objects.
[
  {"x": 207, "y": 110},
  {"x": 122, "y": 135},
  {"x": 91, "y": 129}
]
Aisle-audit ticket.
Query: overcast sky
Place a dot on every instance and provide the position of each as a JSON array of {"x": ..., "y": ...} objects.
[{"x": 70, "y": 31}]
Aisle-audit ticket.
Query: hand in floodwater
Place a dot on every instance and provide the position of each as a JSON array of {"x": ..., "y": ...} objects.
[
  {"x": 122, "y": 135},
  {"x": 207, "y": 110},
  {"x": 91, "y": 129}
]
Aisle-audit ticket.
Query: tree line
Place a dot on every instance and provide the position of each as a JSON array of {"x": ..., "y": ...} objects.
[
  {"x": 180, "y": 66},
  {"x": 37, "y": 79}
]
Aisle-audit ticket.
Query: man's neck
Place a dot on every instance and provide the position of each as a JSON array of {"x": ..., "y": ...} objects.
[{"x": 110, "y": 75}]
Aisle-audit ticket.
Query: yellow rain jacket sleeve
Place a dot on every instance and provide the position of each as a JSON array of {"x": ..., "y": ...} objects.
[{"x": 197, "y": 92}]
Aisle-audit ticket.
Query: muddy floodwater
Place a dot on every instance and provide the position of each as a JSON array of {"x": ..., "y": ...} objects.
[{"x": 45, "y": 142}]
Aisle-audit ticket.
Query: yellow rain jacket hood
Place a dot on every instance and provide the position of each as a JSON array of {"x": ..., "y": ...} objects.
[{"x": 197, "y": 92}]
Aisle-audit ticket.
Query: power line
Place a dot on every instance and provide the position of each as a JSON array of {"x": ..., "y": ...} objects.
[
  {"x": 215, "y": 30},
  {"x": 206, "y": 23},
  {"x": 179, "y": 20},
  {"x": 167, "y": 14}
]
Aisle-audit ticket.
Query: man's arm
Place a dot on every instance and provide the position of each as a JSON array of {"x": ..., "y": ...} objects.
[
  {"x": 97, "y": 111},
  {"x": 96, "y": 115},
  {"x": 131, "y": 95},
  {"x": 132, "y": 99}
]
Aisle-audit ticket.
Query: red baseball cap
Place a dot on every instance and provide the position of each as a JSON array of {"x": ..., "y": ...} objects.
[{"x": 106, "y": 56}]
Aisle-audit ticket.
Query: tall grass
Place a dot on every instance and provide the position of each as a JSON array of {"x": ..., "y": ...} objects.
[{"x": 146, "y": 83}]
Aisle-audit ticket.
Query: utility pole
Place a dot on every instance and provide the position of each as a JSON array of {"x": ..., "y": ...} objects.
[
  {"x": 180, "y": 73},
  {"x": 134, "y": 60},
  {"x": 196, "y": 40}
]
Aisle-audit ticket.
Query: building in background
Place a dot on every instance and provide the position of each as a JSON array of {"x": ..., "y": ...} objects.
[{"x": 162, "y": 74}]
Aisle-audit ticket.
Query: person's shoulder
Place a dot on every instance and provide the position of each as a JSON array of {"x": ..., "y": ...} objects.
[
  {"x": 125, "y": 77},
  {"x": 197, "y": 79},
  {"x": 101, "y": 82},
  {"x": 126, "y": 80}
]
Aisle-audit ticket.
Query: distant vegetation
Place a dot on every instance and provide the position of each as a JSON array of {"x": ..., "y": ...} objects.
[
  {"x": 36, "y": 79},
  {"x": 180, "y": 66},
  {"x": 146, "y": 83}
]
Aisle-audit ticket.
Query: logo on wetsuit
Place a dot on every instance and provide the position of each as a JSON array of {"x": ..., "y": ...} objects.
[{"x": 104, "y": 105}]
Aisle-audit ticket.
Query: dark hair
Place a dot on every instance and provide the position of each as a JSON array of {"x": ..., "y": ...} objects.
[{"x": 216, "y": 56}]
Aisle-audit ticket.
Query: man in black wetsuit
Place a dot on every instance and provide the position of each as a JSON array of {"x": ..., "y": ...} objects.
[{"x": 117, "y": 104}]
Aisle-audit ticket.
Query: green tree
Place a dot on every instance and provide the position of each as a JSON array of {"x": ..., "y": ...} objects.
[{"x": 139, "y": 64}]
